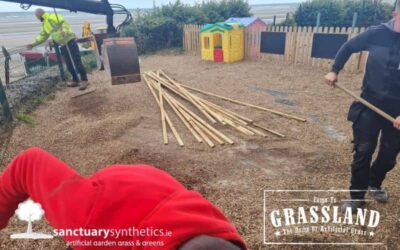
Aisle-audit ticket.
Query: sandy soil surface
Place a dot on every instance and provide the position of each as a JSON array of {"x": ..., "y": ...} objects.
[{"x": 121, "y": 124}]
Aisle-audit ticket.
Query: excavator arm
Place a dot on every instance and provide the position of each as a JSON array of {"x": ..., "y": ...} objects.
[{"x": 101, "y": 7}]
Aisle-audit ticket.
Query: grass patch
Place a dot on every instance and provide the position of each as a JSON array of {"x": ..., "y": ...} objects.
[
  {"x": 25, "y": 118},
  {"x": 23, "y": 113},
  {"x": 42, "y": 99}
]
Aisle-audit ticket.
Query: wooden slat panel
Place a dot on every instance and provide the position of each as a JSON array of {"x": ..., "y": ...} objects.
[{"x": 297, "y": 49}]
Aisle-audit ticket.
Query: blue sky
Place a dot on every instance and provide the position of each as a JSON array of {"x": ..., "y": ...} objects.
[{"x": 5, "y": 6}]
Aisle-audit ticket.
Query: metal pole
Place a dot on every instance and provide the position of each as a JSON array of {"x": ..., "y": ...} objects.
[
  {"x": 355, "y": 17},
  {"x": 59, "y": 61},
  {"x": 66, "y": 45},
  {"x": 4, "y": 103},
  {"x": 318, "y": 20},
  {"x": 6, "y": 64}
]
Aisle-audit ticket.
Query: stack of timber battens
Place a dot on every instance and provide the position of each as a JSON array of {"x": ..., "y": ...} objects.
[{"x": 168, "y": 92}]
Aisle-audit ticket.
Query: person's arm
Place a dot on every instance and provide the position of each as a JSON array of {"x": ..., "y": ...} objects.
[
  {"x": 41, "y": 38},
  {"x": 61, "y": 25},
  {"x": 66, "y": 27},
  {"x": 354, "y": 45},
  {"x": 33, "y": 173}
]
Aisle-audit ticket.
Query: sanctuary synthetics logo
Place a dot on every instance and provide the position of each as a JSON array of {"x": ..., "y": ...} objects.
[
  {"x": 29, "y": 212},
  {"x": 315, "y": 217}
]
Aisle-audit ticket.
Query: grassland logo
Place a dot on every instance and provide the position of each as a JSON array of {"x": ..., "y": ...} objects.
[{"x": 315, "y": 217}]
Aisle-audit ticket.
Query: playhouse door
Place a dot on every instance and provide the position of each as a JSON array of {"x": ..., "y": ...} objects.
[
  {"x": 218, "y": 55},
  {"x": 218, "y": 50}
]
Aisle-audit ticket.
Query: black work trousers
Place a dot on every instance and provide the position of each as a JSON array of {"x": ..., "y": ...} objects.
[
  {"x": 76, "y": 57},
  {"x": 367, "y": 127}
]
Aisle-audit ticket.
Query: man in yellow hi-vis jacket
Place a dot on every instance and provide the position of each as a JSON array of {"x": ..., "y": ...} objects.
[{"x": 54, "y": 26}]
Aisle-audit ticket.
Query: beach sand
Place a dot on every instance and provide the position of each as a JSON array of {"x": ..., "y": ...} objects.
[{"x": 21, "y": 28}]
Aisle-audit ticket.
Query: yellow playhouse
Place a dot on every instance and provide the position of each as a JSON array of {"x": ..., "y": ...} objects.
[{"x": 222, "y": 42}]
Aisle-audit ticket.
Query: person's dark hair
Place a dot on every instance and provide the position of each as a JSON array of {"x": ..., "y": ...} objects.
[{"x": 205, "y": 242}]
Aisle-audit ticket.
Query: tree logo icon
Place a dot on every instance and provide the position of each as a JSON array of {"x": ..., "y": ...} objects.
[{"x": 29, "y": 211}]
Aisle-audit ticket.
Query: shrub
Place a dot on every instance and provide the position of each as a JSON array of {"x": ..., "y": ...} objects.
[
  {"x": 339, "y": 13},
  {"x": 162, "y": 27}
]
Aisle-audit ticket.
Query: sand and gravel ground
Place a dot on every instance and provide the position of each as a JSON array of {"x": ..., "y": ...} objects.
[{"x": 121, "y": 124}]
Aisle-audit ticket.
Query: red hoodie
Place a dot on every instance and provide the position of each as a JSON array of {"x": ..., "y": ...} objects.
[{"x": 129, "y": 198}]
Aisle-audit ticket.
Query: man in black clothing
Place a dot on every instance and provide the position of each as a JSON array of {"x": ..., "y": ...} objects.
[
  {"x": 76, "y": 57},
  {"x": 381, "y": 87}
]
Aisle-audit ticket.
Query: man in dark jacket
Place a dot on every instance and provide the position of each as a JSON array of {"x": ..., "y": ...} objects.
[{"x": 381, "y": 87}]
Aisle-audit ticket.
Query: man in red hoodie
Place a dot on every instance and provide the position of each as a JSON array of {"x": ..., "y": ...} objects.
[{"x": 119, "y": 207}]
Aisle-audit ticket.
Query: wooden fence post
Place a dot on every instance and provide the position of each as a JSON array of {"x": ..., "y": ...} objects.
[{"x": 363, "y": 57}]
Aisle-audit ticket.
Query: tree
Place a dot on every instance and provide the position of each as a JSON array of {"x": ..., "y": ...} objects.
[
  {"x": 306, "y": 14},
  {"x": 339, "y": 13},
  {"x": 369, "y": 12}
]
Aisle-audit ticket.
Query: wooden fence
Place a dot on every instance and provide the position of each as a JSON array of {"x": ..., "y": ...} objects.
[
  {"x": 191, "y": 38},
  {"x": 299, "y": 42}
]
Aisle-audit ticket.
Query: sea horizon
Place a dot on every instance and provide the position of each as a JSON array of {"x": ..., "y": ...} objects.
[{"x": 32, "y": 9}]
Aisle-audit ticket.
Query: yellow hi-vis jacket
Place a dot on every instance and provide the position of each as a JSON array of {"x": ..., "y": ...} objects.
[{"x": 55, "y": 26}]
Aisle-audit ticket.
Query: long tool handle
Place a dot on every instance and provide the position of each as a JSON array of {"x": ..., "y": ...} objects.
[
  {"x": 366, "y": 103},
  {"x": 66, "y": 45}
]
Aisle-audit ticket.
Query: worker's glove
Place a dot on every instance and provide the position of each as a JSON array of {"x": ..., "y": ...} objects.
[
  {"x": 397, "y": 123},
  {"x": 29, "y": 47}
]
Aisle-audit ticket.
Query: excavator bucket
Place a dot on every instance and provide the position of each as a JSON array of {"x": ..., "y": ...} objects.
[{"x": 121, "y": 60}]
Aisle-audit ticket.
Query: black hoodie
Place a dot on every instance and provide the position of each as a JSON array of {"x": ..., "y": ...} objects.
[{"x": 381, "y": 84}]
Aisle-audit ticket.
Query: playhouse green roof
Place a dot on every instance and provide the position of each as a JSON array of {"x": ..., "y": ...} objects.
[{"x": 224, "y": 26}]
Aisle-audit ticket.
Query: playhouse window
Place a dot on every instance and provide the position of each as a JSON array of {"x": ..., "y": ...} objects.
[{"x": 206, "y": 42}]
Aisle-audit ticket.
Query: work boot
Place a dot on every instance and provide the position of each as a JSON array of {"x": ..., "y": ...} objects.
[
  {"x": 378, "y": 194},
  {"x": 83, "y": 85},
  {"x": 72, "y": 84},
  {"x": 353, "y": 204}
]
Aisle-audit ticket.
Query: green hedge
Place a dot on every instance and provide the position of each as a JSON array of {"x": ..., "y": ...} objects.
[
  {"x": 339, "y": 13},
  {"x": 161, "y": 27}
]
